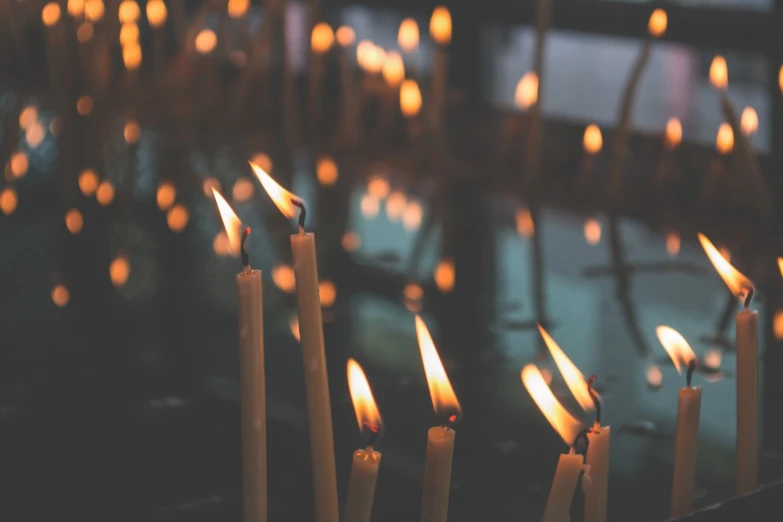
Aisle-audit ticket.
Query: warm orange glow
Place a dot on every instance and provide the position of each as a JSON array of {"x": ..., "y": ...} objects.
[
  {"x": 220, "y": 244},
  {"x": 367, "y": 414},
  {"x": 345, "y": 36},
  {"x": 719, "y": 73},
  {"x": 351, "y": 241},
  {"x": 525, "y": 225},
  {"x": 370, "y": 57},
  {"x": 166, "y": 195},
  {"x": 294, "y": 325},
  {"x": 93, "y": 10},
  {"x": 119, "y": 270},
  {"x": 131, "y": 56},
  {"x": 410, "y": 98},
  {"x": 129, "y": 12},
  {"x": 237, "y": 8},
  {"x": 737, "y": 283},
  {"x": 326, "y": 171},
  {"x": 676, "y": 346},
  {"x": 393, "y": 69},
  {"x": 526, "y": 93},
  {"x": 713, "y": 358},
  {"x": 84, "y": 32},
  {"x": 327, "y": 293},
  {"x": 35, "y": 135},
  {"x": 445, "y": 274},
  {"x": 440, "y": 25},
  {"x": 209, "y": 185},
  {"x": 75, "y": 7},
  {"x": 129, "y": 33},
  {"x": 592, "y": 232},
  {"x": 19, "y": 164},
  {"x": 725, "y": 252},
  {"x": 280, "y": 196},
  {"x": 157, "y": 12},
  {"x": 74, "y": 221},
  {"x": 242, "y": 190},
  {"x": 378, "y": 187},
  {"x": 724, "y": 141},
  {"x": 413, "y": 292},
  {"x": 571, "y": 375},
  {"x": 105, "y": 193},
  {"x": 780, "y": 265},
  {"x": 563, "y": 422},
  {"x": 84, "y": 105},
  {"x": 50, "y": 14},
  {"x": 131, "y": 132},
  {"x": 231, "y": 223},
  {"x": 395, "y": 205},
  {"x": 284, "y": 278},
  {"x": 593, "y": 141},
  {"x": 408, "y": 35},
  {"x": 780, "y": 78},
  {"x": 28, "y": 117},
  {"x": 654, "y": 376},
  {"x": 177, "y": 218},
  {"x": 444, "y": 401},
  {"x": 749, "y": 121},
  {"x": 369, "y": 206},
  {"x": 672, "y": 244},
  {"x": 8, "y": 201},
  {"x": 657, "y": 24},
  {"x": 673, "y": 135},
  {"x": 262, "y": 160},
  {"x": 322, "y": 38},
  {"x": 411, "y": 218},
  {"x": 61, "y": 295},
  {"x": 206, "y": 40},
  {"x": 777, "y": 325}
]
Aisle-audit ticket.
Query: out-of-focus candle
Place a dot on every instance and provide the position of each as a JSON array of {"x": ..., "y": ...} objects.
[
  {"x": 749, "y": 121},
  {"x": 410, "y": 98},
  {"x": 526, "y": 93},
  {"x": 673, "y": 134},
  {"x": 321, "y": 40},
  {"x": 156, "y": 13},
  {"x": 440, "y": 30},
  {"x": 724, "y": 140},
  {"x": 592, "y": 140},
  {"x": 408, "y": 35}
]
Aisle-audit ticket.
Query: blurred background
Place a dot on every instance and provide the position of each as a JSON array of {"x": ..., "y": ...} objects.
[{"x": 119, "y": 377}]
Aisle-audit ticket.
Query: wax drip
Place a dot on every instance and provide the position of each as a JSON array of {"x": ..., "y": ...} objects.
[
  {"x": 596, "y": 399},
  {"x": 242, "y": 251},
  {"x": 302, "y": 212},
  {"x": 689, "y": 375}
]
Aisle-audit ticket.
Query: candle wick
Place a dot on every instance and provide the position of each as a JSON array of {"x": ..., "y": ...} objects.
[
  {"x": 242, "y": 251},
  {"x": 451, "y": 420},
  {"x": 302, "y": 213},
  {"x": 596, "y": 399},
  {"x": 751, "y": 292},
  {"x": 689, "y": 375},
  {"x": 582, "y": 435}
]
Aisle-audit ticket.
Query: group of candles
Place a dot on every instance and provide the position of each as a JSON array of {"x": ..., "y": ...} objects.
[{"x": 595, "y": 462}]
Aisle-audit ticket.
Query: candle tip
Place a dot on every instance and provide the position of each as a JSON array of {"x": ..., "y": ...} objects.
[
  {"x": 691, "y": 368},
  {"x": 242, "y": 251},
  {"x": 302, "y": 213},
  {"x": 596, "y": 398},
  {"x": 581, "y": 436}
]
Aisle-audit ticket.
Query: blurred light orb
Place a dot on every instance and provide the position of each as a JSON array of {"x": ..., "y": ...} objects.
[
  {"x": 592, "y": 232},
  {"x": 525, "y": 225},
  {"x": 50, "y": 14},
  {"x": 28, "y": 117},
  {"x": 445, "y": 274},
  {"x": 94, "y": 10},
  {"x": 593, "y": 141},
  {"x": 75, "y": 7},
  {"x": 131, "y": 131},
  {"x": 719, "y": 73},
  {"x": 749, "y": 121},
  {"x": 128, "y": 12},
  {"x": 129, "y": 34},
  {"x": 408, "y": 35},
  {"x": 221, "y": 245},
  {"x": 378, "y": 187},
  {"x": 780, "y": 78},
  {"x": 284, "y": 278},
  {"x": 345, "y": 36},
  {"x": 410, "y": 98},
  {"x": 8, "y": 201},
  {"x": 672, "y": 244},
  {"x": 88, "y": 182},
  {"x": 74, "y": 221},
  {"x": 237, "y": 8},
  {"x": 326, "y": 171},
  {"x": 156, "y": 13},
  {"x": 370, "y": 206},
  {"x": 85, "y": 32},
  {"x": 327, "y": 292},
  {"x": 370, "y": 56},
  {"x": 210, "y": 184},
  {"x": 105, "y": 193},
  {"x": 526, "y": 93},
  {"x": 412, "y": 296},
  {"x": 393, "y": 69},
  {"x": 322, "y": 38},
  {"x": 55, "y": 126},
  {"x": 19, "y": 164},
  {"x": 177, "y": 218},
  {"x": 440, "y": 25},
  {"x": 264, "y": 161},
  {"x": 60, "y": 295},
  {"x": 411, "y": 218},
  {"x": 35, "y": 135},
  {"x": 724, "y": 141},
  {"x": 119, "y": 270},
  {"x": 673, "y": 134},
  {"x": 243, "y": 189},
  {"x": 657, "y": 24},
  {"x": 84, "y": 105},
  {"x": 713, "y": 358},
  {"x": 166, "y": 195},
  {"x": 395, "y": 205},
  {"x": 294, "y": 325},
  {"x": 351, "y": 241},
  {"x": 206, "y": 40},
  {"x": 777, "y": 325},
  {"x": 654, "y": 376},
  {"x": 131, "y": 56}
]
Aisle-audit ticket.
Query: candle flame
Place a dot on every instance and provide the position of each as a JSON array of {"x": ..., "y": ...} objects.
[
  {"x": 410, "y": 98},
  {"x": 724, "y": 141},
  {"x": 749, "y": 121},
  {"x": 281, "y": 197},
  {"x": 592, "y": 140},
  {"x": 526, "y": 93},
  {"x": 673, "y": 135},
  {"x": 563, "y": 422},
  {"x": 231, "y": 222},
  {"x": 444, "y": 401},
  {"x": 322, "y": 38},
  {"x": 657, "y": 24},
  {"x": 393, "y": 69},
  {"x": 739, "y": 285},
  {"x": 676, "y": 346},
  {"x": 440, "y": 25},
  {"x": 719, "y": 73},
  {"x": 345, "y": 35},
  {"x": 780, "y": 265},
  {"x": 571, "y": 375},
  {"x": 408, "y": 35},
  {"x": 367, "y": 414}
]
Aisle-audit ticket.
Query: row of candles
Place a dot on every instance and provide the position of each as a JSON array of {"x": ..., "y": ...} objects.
[{"x": 588, "y": 456}]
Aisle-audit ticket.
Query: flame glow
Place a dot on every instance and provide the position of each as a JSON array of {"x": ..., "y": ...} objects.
[
  {"x": 408, "y": 35},
  {"x": 322, "y": 38},
  {"x": 592, "y": 140},
  {"x": 676, "y": 346},
  {"x": 440, "y": 25},
  {"x": 526, "y": 93},
  {"x": 410, "y": 98},
  {"x": 157, "y": 13},
  {"x": 281, "y": 197},
  {"x": 231, "y": 222},
  {"x": 563, "y": 422},
  {"x": 345, "y": 36},
  {"x": 737, "y": 283},
  {"x": 367, "y": 414},
  {"x": 444, "y": 401},
  {"x": 749, "y": 122},
  {"x": 393, "y": 69},
  {"x": 719, "y": 73},
  {"x": 50, "y": 14},
  {"x": 657, "y": 24},
  {"x": 673, "y": 134},
  {"x": 724, "y": 141},
  {"x": 571, "y": 375}
]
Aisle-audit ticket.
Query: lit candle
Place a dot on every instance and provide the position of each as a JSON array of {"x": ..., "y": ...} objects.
[
  {"x": 440, "y": 439},
  {"x": 569, "y": 465},
  {"x": 592, "y": 143},
  {"x": 440, "y": 30},
  {"x": 364, "y": 469},
  {"x": 321, "y": 40},
  {"x": 747, "y": 369},
  {"x": 656, "y": 27},
  {"x": 688, "y": 409},
  {"x": 672, "y": 137},
  {"x": 251, "y": 365},
  {"x": 156, "y": 16},
  {"x": 308, "y": 303},
  {"x": 597, "y": 455}
]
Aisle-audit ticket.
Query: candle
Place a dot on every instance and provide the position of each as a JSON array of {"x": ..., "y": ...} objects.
[
  {"x": 688, "y": 406},
  {"x": 440, "y": 30},
  {"x": 656, "y": 27},
  {"x": 440, "y": 439},
  {"x": 308, "y": 303},
  {"x": 672, "y": 137},
  {"x": 252, "y": 376},
  {"x": 747, "y": 322},
  {"x": 592, "y": 143},
  {"x": 597, "y": 456},
  {"x": 570, "y": 465},
  {"x": 364, "y": 468},
  {"x": 321, "y": 40},
  {"x": 543, "y": 8}
]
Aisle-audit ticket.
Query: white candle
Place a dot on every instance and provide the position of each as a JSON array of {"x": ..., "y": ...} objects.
[
  {"x": 561, "y": 493},
  {"x": 440, "y": 439},
  {"x": 308, "y": 303}
]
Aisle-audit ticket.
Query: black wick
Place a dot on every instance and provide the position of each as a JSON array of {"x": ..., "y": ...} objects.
[
  {"x": 242, "y": 251},
  {"x": 582, "y": 435},
  {"x": 596, "y": 399},
  {"x": 373, "y": 433},
  {"x": 749, "y": 297},
  {"x": 302, "y": 212},
  {"x": 451, "y": 420},
  {"x": 689, "y": 375}
]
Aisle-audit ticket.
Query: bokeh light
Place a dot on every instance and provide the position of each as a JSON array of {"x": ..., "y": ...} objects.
[
  {"x": 88, "y": 182},
  {"x": 351, "y": 241},
  {"x": 654, "y": 376},
  {"x": 592, "y": 232},
  {"x": 19, "y": 164},
  {"x": 166, "y": 195},
  {"x": 326, "y": 171},
  {"x": 177, "y": 218},
  {"x": 85, "y": 32},
  {"x": 440, "y": 25},
  {"x": 84, "y": 105},
  {"x": 724, "y": 141},
  {"x": 94, "y": 10},
  {"x": 119, "y": 270},
  {"x": 370, "y": 206},
  {"x": 593, "y": 141},
  {"x": 50, "y": 14},
  {"x": 129, "y": 34},
  {"x": 408, "y": 35},
  {"x": 284, "y": 278},
  {"x": 60, "y": 295},
  {"x": 74, "y": 221},
  {"x": 75, "y": 7},
  {"x": 719, "y": 73},
  {"x": 327, "y": 292},
  {"x": 242, "y": 190},
  {"x": 105, "y": 193},
  {"x": 238, "y": 8},
  {"x": 658, "y": 22},
  {"x": 673, "y": 135},
  {"x": 395, "y": 205},
  {"x": 378, "y": 187},
  {"x": 28, "y": 117},
  {"x": 8, "y": 201},
  {"x": 322, "y": 38},
  {"x": 526, "y": 93},
  {"x": 209, "y": 185},
  {"x": 131, "y": 131},
  {"x": 672, "y": 244},
  {"x": 206, "y": 40},
  {"x": 264, "y": 161},
  {"x": 345, "y": 36},
  {"x": 156, "y": 13},
  {"x": 445, "y": 274},
  {"x": 131, "y": 56},
  {"x": 525, "y": 225},
  {"x": 35, "y": 134},
  {"x": 777, "y": 325},
  {"x": 411, "y": 217},
  {"x": 128, "y": 12},
  {"x": 410, "y": 98},
  {"x": 749, "y": 121}
]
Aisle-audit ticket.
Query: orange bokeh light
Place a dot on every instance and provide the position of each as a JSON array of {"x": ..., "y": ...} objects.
[
  {"x": 658, "y": 22},
  {"x": 8, "y": 201},
  {"x": 284, "y": 278},
  {"x": 408, "y": 35},
  {"x": 322, "y": 38},
  {"x": 719, "y": 73},
  {"x": 445, "y": 274},
  {"x": 440, "y": 25},
  {"x": 105, "y": 193},
  {"x": 177, "y": 218},
  {"x": 61, "y": 295},
  {"x": 326, "y": 171},
  {"x": 526, "y": 93},
  {"x": 592, "y": 140},
  {"x": 410, "y": 98},
  {"x": 74, "y": 221},
  {"x": 166, "y": 195}
]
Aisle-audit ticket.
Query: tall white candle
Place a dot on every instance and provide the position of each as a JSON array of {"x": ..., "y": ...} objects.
[{"x": 561, "y": 493}]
